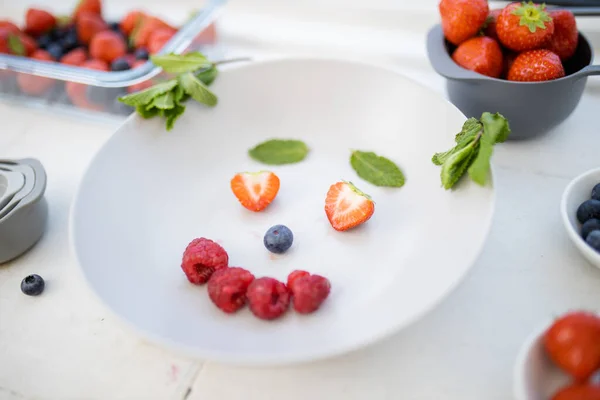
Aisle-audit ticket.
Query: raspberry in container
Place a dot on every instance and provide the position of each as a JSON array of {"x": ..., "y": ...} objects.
[{"x": 83, "y": 58}]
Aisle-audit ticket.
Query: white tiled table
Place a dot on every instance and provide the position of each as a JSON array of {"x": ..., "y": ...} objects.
[{"x": 64, "y": 345}]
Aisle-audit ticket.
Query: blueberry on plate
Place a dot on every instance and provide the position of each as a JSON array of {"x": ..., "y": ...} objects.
[
  {"x": 33, "y": 285},
  {"x": 278, "y": 239},
  {"x": 593, "y": 239},
  {"x": 44, "y": 41},
  {"x": 588, "y": 209},
  {"x": 142, "y": 54},
  {"x": 589, "y": 226},
  {"x": 55, "y": 50},
  {"x": 120, "y": 64},
  {"x": 596, "y": 192}
]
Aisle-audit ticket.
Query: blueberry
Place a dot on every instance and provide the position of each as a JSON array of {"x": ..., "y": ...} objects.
[
  {"x": 589, "y": 226},
  {"x": 278, "y": 239},
  {"x": 69, "y": 42},
  {"x": 588, "y": 209},
  {"x": 115, "y": 26},
  {"x": 55, "y": 50},
  {"x": 33, "y": 285},
  {"x": 44, "y": 41},
  {"x": 120, "y": 64},
  {"x": 142, "y": 54},
  {"x": 596, "y": 192},
  {"x": 593, "y": 240}
]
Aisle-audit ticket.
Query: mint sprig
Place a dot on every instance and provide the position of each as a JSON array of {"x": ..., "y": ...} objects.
[
  {"x": 166, "y": 99},
  {"x": 376, "y": 169},
  {"x": 473, "y": 150}
]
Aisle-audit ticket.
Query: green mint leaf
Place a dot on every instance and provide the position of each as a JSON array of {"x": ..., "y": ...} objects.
[
  {"x": 440, "y": 158},
  {"x": 470, "y": 129},
  {"x": 495, "y": 126},
  {"x": 479, "y": 169},
  {"x": 147, "y": 113},
  {"x": 456, "y": 165},
  {"x": 181, "y": 63},
  {"x": 377, "y": 170},
  {"x": 146, "y": 96},
  {"x": 196, "y": 89},
  {"x": 16, "y": 45},
  {"x": 208, "y": 75},
  {"x": 172, "y": 114},
  {"x": 279, "y": 152},
  {"x": 164, "y": 102}
]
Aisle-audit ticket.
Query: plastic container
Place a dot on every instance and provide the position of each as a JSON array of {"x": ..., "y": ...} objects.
[{"x": 80, "y": 90}]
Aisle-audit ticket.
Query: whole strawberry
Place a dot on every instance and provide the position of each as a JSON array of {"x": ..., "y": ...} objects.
[
  {"x": 490, "y": 24},
  {"x": 38, "y": 21},
  {"x": 565, "y": 38},
  {"x": 462, "y": 19},
  {"x": 524, "y": 26},
  {"x": 481, "y": 54},
  {"x": 535, "y": 66}
]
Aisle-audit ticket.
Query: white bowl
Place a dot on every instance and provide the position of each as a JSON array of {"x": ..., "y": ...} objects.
[
  {"x": 535, "y": 376},
  {"x": 576, "y": 192}
]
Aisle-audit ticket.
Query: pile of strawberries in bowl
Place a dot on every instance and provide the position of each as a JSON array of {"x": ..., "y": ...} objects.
[{"x": 522, "y": 42}]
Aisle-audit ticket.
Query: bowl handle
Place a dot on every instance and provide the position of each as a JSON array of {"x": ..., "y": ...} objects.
[
  {"x": 590, "y": 70},
  {"x": 441, "y": 61}
]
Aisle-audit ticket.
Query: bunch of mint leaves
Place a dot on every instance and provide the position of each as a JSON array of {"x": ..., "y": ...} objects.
[
  {"x": 194, "y": 73},
  {"x": 473, "y": 150}
]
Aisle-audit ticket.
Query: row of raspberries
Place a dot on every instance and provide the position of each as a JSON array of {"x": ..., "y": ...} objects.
[{"x": 231, "y": 288}]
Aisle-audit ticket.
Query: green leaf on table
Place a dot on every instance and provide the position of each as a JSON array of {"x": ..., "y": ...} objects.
[
  {"x": 181, "y": 63},
  {"x": 279, "y": 151},
  {"x": 16, "y": 45},
  {"x": 144, "y": 97},
  {"x": 164, "y": 101},
  {"x": 196, "y": 89},
  {"x": 376, "y": 169}
]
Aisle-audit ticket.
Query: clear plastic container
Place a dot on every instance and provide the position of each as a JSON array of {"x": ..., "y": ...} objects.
[{"x": 94, "y": 93}]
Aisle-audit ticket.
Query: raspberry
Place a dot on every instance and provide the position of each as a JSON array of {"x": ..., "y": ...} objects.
[
  {"x": 227, "y": 288},
  {"x": 293, "y": 276},
  {"x": 268, "y": 298},
  {"x": 201, "y": 258},
  {"x": 310, "y": 292}
]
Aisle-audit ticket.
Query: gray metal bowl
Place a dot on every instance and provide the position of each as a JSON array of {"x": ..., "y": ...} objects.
[{"x": 532, "y": 108}]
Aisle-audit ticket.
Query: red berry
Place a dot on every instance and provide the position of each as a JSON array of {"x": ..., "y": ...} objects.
[
  {"x": 10, "y": 26},
  {"x": 490, "y": 24},
  {"x": 132, "y": 20},
  {"x": 89, "y": 6},
  {"x": 578, "y": 392},
  {"x": 36, "y": 85},
  {"x": 525, "y": 26},
  {"x": 310, "y": 292},
  {"x": 88, "y": 25},
  {"x": 159, "y": 38},
  {"x": 293, "y": 276},
  {"x": 227, "y": 288},
  {"x": 535, "y": 66},
  {"x": 462, "y": 19},
  {"x": 565, "y": 39},
  {"x": 480, "y": 54},
  {"x": 201, "y": 258},
  {"x": 107, "y": 46},
  {"x": 38, "y": 21},
  {"x": 268, "y": 298},
  {"x": 75, "y": 57}
]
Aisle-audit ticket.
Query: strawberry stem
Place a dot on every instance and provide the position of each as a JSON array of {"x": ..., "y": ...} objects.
[{"x": 533, "y": 16}]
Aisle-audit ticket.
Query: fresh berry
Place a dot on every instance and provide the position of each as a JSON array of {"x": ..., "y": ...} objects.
[
  {"x": 509, "y": 60},
  {"x": 578, "y": 392},
  {"x": 75, "y": 57},
  {"x": 142, "y": 54},
  {"x": 201, "y": 258},
  {"x": 77, "y": 92},
  {"x": 255, "y": 190},
  {"x": 268, "y": 298},
  {"x": 132, "y": 20},
  {"x": 593, "y": 239},
  {"x": 525, "y": 26},
  {"x": 159, "y": 38},
  {"x": 536, "y": 66},
  {"x": 481, "y": 54},
  {"x": 33, "y": 285},
  {"x": 88, "y": 25},
  {"x": 565, "y": 39},
  {"x": 309, "y": 293},
  {"x": 38, "y": 21},
  {"x": 596, "y": 192},
  {"x": 44, "y": 41},
  {"x": 108, "y": 46},
  {"x": 69, "y": 41},
  {"x": 120, "y": 64},
  {"x": 115, "y": 27},
  {"x": 278, "y": 239},
  {"x": 149, "y": 25},
  {"x": 489, "y": 29},
  {"x": 87, "y": 6},
  {"x": 36, "y": 85},
  {"x": 346, "y": 206},
  {"x": 9, "y": 26},
  {"x": 55, "y": 50},
  {"x": 589, "y": 226},
  {"x": 293, "y": 277},
  {"x": 587, "y": 210},
  {"x": 462, "y": 19},
  {"x": 227, "y": 288},
  {"x": 573, "y": 343}
]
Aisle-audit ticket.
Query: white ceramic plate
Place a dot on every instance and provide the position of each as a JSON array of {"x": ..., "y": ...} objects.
[{"x": 147, "y": 193}]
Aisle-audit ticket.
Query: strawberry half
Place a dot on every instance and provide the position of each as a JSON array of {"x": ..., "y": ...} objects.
[
  {"x": 255, "y": 190},
  {"x": 347, "y": 207}
]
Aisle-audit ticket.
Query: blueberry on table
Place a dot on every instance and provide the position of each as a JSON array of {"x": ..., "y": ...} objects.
[
  {"x": 593, "y": 239},
  {"x": 278, "y": 239},
  {"x": 33, "y": 285},
  {"x": 588, "y": 209},
  {"x": 589, "y": 226},
  {"x": 596, "y": 192},
  {"x": 55, "y": 50},
  {"x": 142, "y": 54},
  {"x": 120, "y": 64}
]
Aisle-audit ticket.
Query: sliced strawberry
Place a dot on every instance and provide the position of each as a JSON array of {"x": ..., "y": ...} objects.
[
  {"x": 346, "y": 206},
  {"x": 255, "y": 190}
]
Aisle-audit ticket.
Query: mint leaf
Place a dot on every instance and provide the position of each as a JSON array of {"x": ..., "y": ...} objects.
[
  {"x": 208, "y": 75},
  {"x": 479, "y": 170},
  {"x": 469, "y": 131},
  {"x": 196, "y": 89},
  {"x": 456, "y": 165},
  {"x": 279, "y": 152},
  {"x": 495, "y": 126},
  {"x": 164, "y": 102},
  {"x": 377, "y": 170},
  {"x": 16, "y": 45},
  {"x": 172, "y": 114},
  {"x": 147, "y": 113},
  {"x": 146, "y": 96},
  {"x": 180, "y": 63}
]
